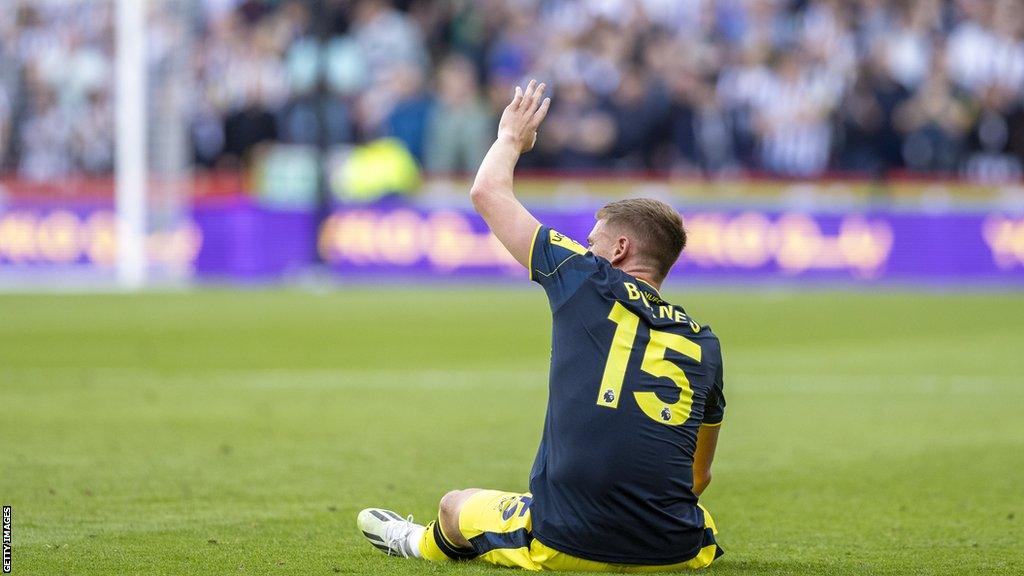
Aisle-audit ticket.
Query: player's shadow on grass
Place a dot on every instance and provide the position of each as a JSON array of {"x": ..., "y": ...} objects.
[
  {"x": 720, "y": 568},
  {"x": 776, "y": 567}
]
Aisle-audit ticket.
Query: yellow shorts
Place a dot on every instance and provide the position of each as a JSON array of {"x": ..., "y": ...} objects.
[{"x": 504, "y": 520}]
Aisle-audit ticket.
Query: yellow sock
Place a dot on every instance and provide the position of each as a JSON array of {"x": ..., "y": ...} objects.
[{"x": 436, "y": 547}]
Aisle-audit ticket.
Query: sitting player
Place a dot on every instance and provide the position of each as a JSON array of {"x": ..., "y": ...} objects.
[{"x": 635, "y": 398}]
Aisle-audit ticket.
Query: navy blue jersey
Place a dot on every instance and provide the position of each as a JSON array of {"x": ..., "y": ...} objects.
[{"x": 632, "y": 379}]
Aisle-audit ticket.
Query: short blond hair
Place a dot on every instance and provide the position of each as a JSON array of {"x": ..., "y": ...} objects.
[{"x": 654, "y": 225}]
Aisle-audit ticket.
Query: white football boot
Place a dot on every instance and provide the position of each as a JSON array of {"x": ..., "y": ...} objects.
[{"x": 387, "y": 531}]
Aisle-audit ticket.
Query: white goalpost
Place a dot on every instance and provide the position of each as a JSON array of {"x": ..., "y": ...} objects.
[{"x": 130, "y": 172}]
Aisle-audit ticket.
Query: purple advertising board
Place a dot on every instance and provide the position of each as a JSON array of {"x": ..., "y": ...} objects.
[
  {"x": 242, "y": 241},
  {"x": 236, "y": 240},
  {"x": 724, "y": 245}
]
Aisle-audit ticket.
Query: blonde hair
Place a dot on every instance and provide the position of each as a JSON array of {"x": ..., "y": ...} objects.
[{"x": 654, "y": 225}]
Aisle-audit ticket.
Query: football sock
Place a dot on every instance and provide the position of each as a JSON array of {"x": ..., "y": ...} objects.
[
  {"x": 413, "y": 541},
  {"x": 436, "y": 547}
]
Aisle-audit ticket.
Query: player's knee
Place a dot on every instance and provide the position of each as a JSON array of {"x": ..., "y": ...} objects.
[
  {"x": 450, "y": 504},
  {"x": 448, "y": 515}
]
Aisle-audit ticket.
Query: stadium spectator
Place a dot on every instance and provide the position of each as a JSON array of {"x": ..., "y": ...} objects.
[
  {"x": 407, "y": 119},
  {"x": 791, "y": 118},
  {"x": 459, "y": 124},
  {"x": 996, "y": 140},
  {"x": 933, "y": 122},
  {"x": 869, "y": 142},
  {"x": 580, "y": 132}
]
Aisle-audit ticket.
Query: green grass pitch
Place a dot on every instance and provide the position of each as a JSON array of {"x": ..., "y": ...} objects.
[{"x": 239, "y": 432}]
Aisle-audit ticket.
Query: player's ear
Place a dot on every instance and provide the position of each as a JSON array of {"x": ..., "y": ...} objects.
[{"x": 621, "y": 249}]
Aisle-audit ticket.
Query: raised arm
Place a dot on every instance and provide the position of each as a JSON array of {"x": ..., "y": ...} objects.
[{"x": 492, "y": 193}]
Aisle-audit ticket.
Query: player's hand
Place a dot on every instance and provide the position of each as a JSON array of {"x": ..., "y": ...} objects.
[{"x": 522, "y": 117}]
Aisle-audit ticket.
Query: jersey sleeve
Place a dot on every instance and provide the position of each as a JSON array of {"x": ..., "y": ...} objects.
[
  {"x": 559, "y": 264},
  {"x": 714, "y": 408}
]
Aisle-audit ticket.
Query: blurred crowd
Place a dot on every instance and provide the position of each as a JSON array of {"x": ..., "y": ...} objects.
[
  {"x": 56, "y": 91},
  {"x": 787, "y": 87}
]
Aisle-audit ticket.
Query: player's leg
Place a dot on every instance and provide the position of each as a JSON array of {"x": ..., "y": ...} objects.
[
  {"x": 487, "y": 524},
  {"x": 443, "y": 538},
  {"x": 490, "y": 525},
  {"x": 496, "y": 527},
  {"x": 438, "y": 541},
  {"x": 448, "y": 514}
]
